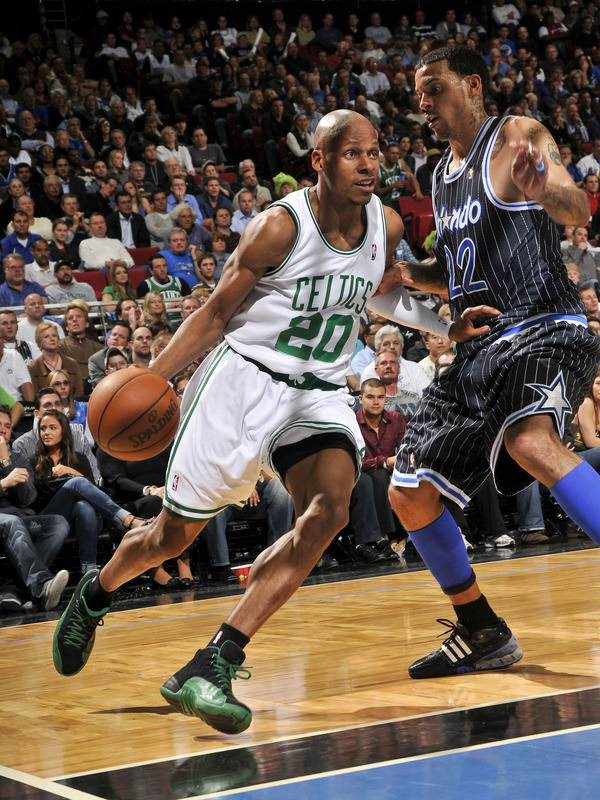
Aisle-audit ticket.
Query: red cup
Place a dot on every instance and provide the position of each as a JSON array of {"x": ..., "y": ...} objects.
[{"x": 241, "y": 573}]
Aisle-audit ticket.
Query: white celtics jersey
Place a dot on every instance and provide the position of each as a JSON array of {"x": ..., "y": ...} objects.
[{"x": 300, "y": 322}]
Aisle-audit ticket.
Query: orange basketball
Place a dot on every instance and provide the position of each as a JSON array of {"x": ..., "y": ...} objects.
[{"x": 133, "y": 414}]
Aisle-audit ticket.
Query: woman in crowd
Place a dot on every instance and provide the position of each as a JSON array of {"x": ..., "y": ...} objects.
[
  {"x": 114, "y": 162},
  {"x": 155, "y": 311},
  {"x": 106, "y": 96},
  {"x": 139, "y": 205},
  {"x": 45, "y": 161},
  {"x": 304, "y": 31},
  {"x": 90, "y": 112},
  {"x": 170, "y": 148},
  {"x": 51, "y": 360},
  {"x": 300, "y": 142},
  {"x": 100, "y": 136},
  {"x": 65, "y": 485},
  {"x": 119, "y": 286},
  {"x": 61, "y": 248},
  {"x": 217, "y": 247},
  {"x": 76, "y": 410}
]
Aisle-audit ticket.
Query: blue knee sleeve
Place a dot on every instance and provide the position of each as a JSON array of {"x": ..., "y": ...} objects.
[
  {"x": 577, "y": 493},
  {"x": 441, "y": 547}
]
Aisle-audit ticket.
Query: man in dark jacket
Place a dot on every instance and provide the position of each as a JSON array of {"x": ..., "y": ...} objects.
[{"x": 126, "y": 225}]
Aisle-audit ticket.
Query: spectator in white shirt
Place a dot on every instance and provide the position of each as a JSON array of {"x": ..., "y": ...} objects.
[
  {"x": 504, "y": 13},
  {"x": 590, "y": 164},
  {"x": 375, "y": 83},
  {"x": 40, "y": 269},
  {"x": 229, "y": 35},
  {"x": 34, "y": 315},
  {"x": 98, "y": 251},
  {"x": 14, "y": 375}
]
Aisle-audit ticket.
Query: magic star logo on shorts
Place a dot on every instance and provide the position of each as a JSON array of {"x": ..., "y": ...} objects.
[{"x": 175, "y": 483}]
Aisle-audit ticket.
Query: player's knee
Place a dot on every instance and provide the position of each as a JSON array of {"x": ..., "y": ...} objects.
[
  {"x": 405, "y": 500},
  {"x": 531, "y": 444},
  {"x": 328, "y": 513},
  {"x": 167, "y": 541}
]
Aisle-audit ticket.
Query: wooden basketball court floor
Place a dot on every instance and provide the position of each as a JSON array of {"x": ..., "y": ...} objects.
[{"x": 335, "y": 713}]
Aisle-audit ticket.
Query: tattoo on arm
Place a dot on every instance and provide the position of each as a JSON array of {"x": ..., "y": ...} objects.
[
  {"x": 554, "y": 154},
  {"x": 561, "y": 202},
  {"x": 535, "y": 131}
]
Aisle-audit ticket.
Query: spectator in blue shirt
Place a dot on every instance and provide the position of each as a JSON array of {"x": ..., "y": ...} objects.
[
  {"x": 566, "y": 156},
  {"x": 20, "y": 240},
  {"x": 179, "y": 258},
  {"x": 15, "y": 288},
  {"x": 213, "y": 198},
  {"x": 178, "y": 195}
]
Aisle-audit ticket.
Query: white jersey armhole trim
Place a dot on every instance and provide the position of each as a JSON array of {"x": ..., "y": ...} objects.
[
  {"x": 487, "y": 182},
  {"x": 292, "y": 212}
]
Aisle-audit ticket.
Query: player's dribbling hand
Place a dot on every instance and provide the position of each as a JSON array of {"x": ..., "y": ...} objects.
[{"x": 468, "y": 325}]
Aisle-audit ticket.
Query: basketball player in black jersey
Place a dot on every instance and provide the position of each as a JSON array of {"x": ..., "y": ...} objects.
[{"x": 498, "y": 192}]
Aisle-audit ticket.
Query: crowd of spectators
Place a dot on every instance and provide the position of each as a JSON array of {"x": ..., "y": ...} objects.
[{"x": 131, "y": 138}]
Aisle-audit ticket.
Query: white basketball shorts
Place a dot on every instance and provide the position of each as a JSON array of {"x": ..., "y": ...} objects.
[{"x": 233, "y": 418}]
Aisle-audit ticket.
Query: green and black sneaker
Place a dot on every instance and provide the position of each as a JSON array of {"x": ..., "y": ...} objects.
[
  {"x": 203, "y": 688},
  {"x": 76, "y": 630}
]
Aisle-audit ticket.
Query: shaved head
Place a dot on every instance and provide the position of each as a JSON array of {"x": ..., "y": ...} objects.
[{"x": 336, "y": 125}]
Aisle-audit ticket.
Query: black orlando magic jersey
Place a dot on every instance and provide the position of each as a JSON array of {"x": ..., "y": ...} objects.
[{"x": 506, "y": 255}]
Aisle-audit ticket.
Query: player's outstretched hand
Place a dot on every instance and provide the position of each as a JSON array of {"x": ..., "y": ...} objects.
[
  {"x": 528, "y": 169},
  {"x": 469, "y": 324}
]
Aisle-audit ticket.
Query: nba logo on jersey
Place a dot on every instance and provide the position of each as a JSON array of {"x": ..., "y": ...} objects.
[
  {"x": 373, "y": 251},
  {"x": 175, "y": 483}
]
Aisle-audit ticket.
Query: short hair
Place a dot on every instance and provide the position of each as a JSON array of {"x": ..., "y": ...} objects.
[
  {"x": 18, "y": 256},
  {"x": 176, "y": 229},
  {"x": 385, "y": 331},
  {"x": 4, "y": 409},
  {"x": 42, "y": 328},
  {"x": 223, "y": 208},
  {"x": 121, "y": 323},
  {"x": 382, "y": 352},
  {"x": 461, "y": 60},
  {"x": 371, "y": 383},
  {"x": 155, "y": 257},
  {"x": 42, "y": 393}
]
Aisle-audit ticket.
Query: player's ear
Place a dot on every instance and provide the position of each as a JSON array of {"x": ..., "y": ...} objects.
[
  {"x": 318, "y": 160},
  {"x": 474, "y": 83}
]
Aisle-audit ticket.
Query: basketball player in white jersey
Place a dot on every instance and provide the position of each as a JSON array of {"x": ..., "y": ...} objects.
[{"x": 287, "y": 304}]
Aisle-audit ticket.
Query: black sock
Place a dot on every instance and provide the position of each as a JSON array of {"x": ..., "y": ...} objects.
[
  {"x": 229, "y": 633},
  {"x": 476, "y": 615},
  {"x": 95, "y": 596}
]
